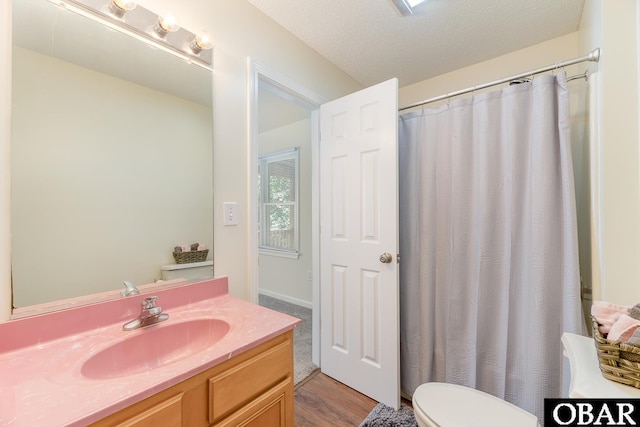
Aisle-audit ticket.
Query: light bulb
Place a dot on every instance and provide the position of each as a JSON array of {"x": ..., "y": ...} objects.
[
  {"x": 119, "y": 7},
  {"x": 200, "y": 43},
  {"x": 125, "y": 4},
  {"x": 168, "y": 23}
]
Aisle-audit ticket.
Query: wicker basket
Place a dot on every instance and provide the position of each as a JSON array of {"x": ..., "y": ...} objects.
[
  {"x": 191, "y": 256},
  {"x": 619, "y": 362}
]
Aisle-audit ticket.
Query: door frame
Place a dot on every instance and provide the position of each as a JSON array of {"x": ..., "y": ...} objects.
[{"x": 289, "y": 89}]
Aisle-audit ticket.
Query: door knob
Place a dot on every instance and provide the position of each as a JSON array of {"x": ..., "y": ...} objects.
[{"x": 386, "y": 258}]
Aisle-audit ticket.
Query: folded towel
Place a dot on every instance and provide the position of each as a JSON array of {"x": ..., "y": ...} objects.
[
  {"x": 186, "y": 248},
  {"x": 177, "y": 249},
  {"x": 635, "y": 338},
  {"x": 635, "y": 311},
  {"x": 623, "y": 329},
  {"x": 194, "y": 246},
  {"x": 607, "y": 314},
  {"x": 202, "y": 247}
]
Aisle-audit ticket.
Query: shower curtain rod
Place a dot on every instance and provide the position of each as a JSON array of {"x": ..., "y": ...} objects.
[{"x": 593, "y": 56}]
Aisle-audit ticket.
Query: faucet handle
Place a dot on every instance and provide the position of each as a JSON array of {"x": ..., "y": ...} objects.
[{"x": 149, "y": 303}]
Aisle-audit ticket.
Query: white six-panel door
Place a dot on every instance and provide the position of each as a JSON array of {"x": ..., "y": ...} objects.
[{"x": 358, "y": 226}]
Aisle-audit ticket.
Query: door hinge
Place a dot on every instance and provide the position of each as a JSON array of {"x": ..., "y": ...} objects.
[{"x": 398, "y": 258}]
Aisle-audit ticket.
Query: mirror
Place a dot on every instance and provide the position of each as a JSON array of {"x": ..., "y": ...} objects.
[{"x": 111, "y": 162}]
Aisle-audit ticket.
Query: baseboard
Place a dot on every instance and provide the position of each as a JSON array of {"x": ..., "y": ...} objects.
[{"x": 286, "y": 298}]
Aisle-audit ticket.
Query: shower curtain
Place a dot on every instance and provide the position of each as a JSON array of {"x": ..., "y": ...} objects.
[{"x": 488, "y": 238}]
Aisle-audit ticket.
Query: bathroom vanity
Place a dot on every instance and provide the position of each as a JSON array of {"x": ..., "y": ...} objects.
[
  {"x": 217, "y": 361},
  {"x": 254, "y": 388}
]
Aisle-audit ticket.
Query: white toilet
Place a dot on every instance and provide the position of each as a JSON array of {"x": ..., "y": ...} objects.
[
  {"x": 189, "y": 271},
  {"x": 450, "y": 405}
]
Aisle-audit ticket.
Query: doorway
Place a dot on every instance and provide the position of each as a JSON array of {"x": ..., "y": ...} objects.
[{"x": 283, "y": 264}]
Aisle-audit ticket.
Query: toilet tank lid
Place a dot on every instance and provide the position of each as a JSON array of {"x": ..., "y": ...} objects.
[
  {"x": 441, "y": 403},
  {"x": 171, "y": 267}
]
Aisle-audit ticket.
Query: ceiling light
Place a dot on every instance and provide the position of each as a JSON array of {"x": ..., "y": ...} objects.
[{"x": 405, "y": 7}]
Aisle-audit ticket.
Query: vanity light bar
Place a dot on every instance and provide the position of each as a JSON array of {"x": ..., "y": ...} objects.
[{"x": 143, "y": 24}]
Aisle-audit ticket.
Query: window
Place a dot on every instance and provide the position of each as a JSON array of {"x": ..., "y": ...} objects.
[{"x": 278, "y": 202}]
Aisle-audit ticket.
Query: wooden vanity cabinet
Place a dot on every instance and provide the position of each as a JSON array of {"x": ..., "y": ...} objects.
[{"x": 254, "y": 388}]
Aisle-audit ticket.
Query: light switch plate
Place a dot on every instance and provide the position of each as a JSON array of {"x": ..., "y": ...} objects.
[{"x": 230, "y": 213}]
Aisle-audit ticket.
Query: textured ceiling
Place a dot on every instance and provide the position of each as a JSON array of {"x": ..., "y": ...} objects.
[{"x": 370, "y": 41}]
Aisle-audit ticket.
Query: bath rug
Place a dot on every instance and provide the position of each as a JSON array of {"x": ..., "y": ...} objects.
[{"x": 385, "y": 416}]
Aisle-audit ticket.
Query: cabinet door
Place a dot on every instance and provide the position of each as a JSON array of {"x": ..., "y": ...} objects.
[
  {"x": 268, "y": 410},
  {"x": 167, "y": 413},
  {"x": 236, "y": 388}
]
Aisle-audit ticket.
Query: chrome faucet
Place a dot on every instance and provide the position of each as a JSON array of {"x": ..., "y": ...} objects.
[
  {"x": 129, "y": 289},
  {"x": 149, "y": 315}
]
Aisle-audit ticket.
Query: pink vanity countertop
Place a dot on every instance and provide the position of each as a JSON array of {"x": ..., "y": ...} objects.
[{"x": 41, "y": 356}]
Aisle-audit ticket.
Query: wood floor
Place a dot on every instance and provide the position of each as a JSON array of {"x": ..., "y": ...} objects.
[{"x": 322, "y": 401}]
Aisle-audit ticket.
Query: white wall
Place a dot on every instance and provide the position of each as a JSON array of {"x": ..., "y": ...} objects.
[
  {"x": 614, "y": 26},
  {"x": 101, "y": 191},
  {"x": 620, "y": 162},
  {"x": 591, "y": 38},
  {"x": 280, "y": 277},
  {"x": 5, "y": 157}
]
